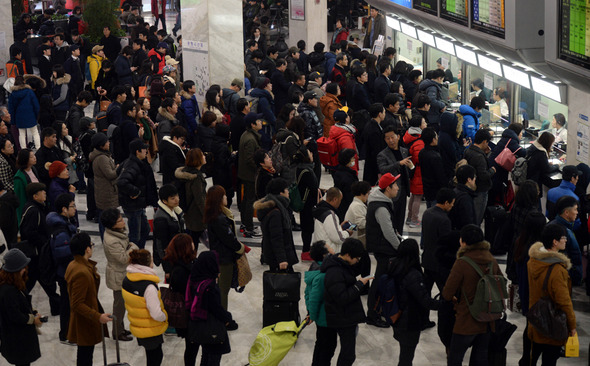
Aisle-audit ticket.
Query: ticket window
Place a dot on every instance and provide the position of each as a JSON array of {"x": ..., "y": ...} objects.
[
  {"x": 539, "y": 113},
  {"x": 409, "y": 50},
  {"x": 452, "y": 66},
  {"x": 496, "y": 92}
]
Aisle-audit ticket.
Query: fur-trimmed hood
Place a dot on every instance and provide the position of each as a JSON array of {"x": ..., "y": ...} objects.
[
  {"x": 185, "y": 95},
  {"x": 20, "y": 87},
  {"x": 166, "y": 114},
  {"x": 541, "y": 254},
  {"x": 62, "y": 80},
  {"x": 42, "y": 82},
  {"x": 483, "y": 245},
  {"x": 264, "y": 204},
  {"x": 182, "y": 174}
]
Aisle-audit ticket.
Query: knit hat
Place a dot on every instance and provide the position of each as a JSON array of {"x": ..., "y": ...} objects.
[
  {"x": 314, "y": 75},
  {"x": 56, "y": 168},
  {"x": 162, "y": 45},
  {"x": 15, "y": 260},
  {"x": 98, "y": 140},
  {"x": 340, "y": 116},
  {"x": 387, "y": 180}
]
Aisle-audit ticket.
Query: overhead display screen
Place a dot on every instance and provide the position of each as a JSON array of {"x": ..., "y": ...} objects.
[
  {"x": 428, "y": 6},
  {"x": 404, "y": 3},
  {"x": 574, "y": 40},
  {"x": 488, "y": 16},
  {"x": 455, "y": 11}
]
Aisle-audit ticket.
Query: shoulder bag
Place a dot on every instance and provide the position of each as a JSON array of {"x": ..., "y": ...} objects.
[{"x": 506, "y": 157}]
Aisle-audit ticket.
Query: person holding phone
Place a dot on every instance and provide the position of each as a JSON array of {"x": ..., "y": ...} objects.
[{"x": 326, "y": 221}]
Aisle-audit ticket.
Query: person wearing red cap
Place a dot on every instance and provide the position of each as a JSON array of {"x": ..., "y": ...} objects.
[
  {"x": 59, "y": 174},
  {"x": 382, "y": 238}
]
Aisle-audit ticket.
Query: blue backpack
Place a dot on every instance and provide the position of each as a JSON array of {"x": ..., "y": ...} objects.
[{"x": 387, "y": 304}]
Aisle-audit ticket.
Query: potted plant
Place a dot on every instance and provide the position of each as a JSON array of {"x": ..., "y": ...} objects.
[{"x": 98, "y": 14}]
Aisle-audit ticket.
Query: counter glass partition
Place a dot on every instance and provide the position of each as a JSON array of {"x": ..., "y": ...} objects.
[
  {"x": 495, "y": 90},
  {"x": 409, "y": 50},
  {"x": 452, "y": 82}
]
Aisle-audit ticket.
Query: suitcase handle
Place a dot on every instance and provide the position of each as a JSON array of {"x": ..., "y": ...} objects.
[{"x": 115, "y": 336}]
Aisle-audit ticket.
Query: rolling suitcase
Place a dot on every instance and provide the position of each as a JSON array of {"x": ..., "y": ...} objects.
[
  {"x": 281, "y": 295},
  {"x": 104, "y": 348},
  {"x": 494, "y": 218}
]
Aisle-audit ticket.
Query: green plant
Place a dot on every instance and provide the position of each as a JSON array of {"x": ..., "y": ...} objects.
[
  {"x": 17, "y": 8},
  {"x": 59, "y": 17},
  {"x": 99, "y": 14}
]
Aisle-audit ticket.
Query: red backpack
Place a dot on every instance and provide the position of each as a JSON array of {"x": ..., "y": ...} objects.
[{"x": 328, "y": 151}]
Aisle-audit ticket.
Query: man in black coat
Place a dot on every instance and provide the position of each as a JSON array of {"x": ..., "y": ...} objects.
[
  {"x": 344, "y": 309},
  {"x": 237, "y": 125},
  {"x": 72, "y": 67},
  {"x": 280, "y": 85},
  {"x": 357, "y": 96},
  {"x": 266, "y": 172},
  {"x": 374, "y": 142},
  {"x": 433, "y": 174},
  {"x": 47, "y": 154},
  {"x": 463, "y": 212},
  {"x": 60, "y": 52},
  {"x": 382, "y": 85},
  {"x": 476, "y": 156},
  {"x": 435, "y": 225},
  {"x": 137, "y": 190},
  {"x": 76, "y": 113},
  {"x": 112, "y": 45},
  {"x": 171, "y": 153},
  {"x": 45, "y": 65},
  {"x": 8, "y": 220},
  {"x": 33, "y": 229}
]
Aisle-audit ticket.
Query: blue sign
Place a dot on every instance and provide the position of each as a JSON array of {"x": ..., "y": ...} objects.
[{"x": 404, "y": 3}]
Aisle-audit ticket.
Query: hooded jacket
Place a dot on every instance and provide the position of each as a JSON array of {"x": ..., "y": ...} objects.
[
  {"x": 342, "y": 294},
  {"x": 277, "y": 235},
  {"x": 559, "y": 287},
  {"x": 314, "y": 295},
  {"x": 462, "y": 282},
  {"x": 450, "y": 149},
  {"x": 105, "y": 179},
  {"x": 192, "y": 194},
  {"x": 327, "y": 226},
  {"x": 191, "y": 110},
  {"x": 23, "y": 106},
  {"x": 94, "y": 64},
  {"x": 329, "y": 103},
  {"x": 166, "y": 122},
  {"x": 470, "y": 121},
  {"x": 433, "y": 90},
  {"x": 62, "y": 231},
  {"x": 136, "y": 179},
  {"x": 345, "y": 139},
  {"x": 416, "y": 186},
  {"x": 266, "y": 104},
  {"x": 59, "y": 92},
  {"x": 381, "y": 236}
]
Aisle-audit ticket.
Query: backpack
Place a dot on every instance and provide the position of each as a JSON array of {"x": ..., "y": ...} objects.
[
  {"x": 488, "y": 304},
  {"x": 296, "y": 202},
  {"x": 387, "y": 303},
  {"x": 518, "y": 173},
  {"x": 253, "y": 103},
  {"x": 87, "y": 74},
  {"x": 47, "y": 264},
  {"x": 328, "y": 151},
  {"x": 101, "y": 122},
  {"x": 276, "y": 154}
]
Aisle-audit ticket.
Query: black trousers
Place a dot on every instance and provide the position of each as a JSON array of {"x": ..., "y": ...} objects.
[
  {"x": 64, "y": 312},
  {"x": 246, "y": 209},
  {"x": 154, "y": 356},
  {"x": 381, "y": 269},
  {"x": 550, "y": 354},
  {"x": 399, "y": 210},
  {"x": 408, "y": 341},
  {"x": 325, "y": 346},
  {"x": 50, "y": 287},
  {"x": 306, "y": 218},
  {"x": 84, "y": 355},
  {"x": 90, "y": 202}
]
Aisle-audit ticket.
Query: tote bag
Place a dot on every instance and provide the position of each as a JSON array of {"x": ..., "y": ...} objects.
[{"x": 506, "y": 157}]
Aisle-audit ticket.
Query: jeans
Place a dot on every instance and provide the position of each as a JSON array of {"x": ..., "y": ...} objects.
[
  {"x": 139, "y": 228},
  {"x": 64, "y": 311},
  {"x": 479, "y": 349},
  {"x": 246, "y": 209},
  {"x": 480, "y": 201},
  {"x": 414, "y": 207},
  {"x": 408, "y": 341},
  {"x": 381, "y": 269},
  {"x": 326, "y": 345},
  {"x": 550, "y": 354},
  {"x": 29, "y": 134},
  {"x": 84, "y": 355}
]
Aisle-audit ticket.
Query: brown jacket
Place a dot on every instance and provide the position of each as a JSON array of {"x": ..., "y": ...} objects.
[
  {"x": 464, "y": 278},
  {"x": 329, "y": 104},
  {"x": 559, "y": 287},
  {"x": 83, "y": 281}
]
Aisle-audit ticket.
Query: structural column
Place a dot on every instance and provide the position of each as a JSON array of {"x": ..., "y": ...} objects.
[
  {"x": 308, "y": 20},
  {"x": 212, "y": 48},
  {"x": 6, "y": 36}
]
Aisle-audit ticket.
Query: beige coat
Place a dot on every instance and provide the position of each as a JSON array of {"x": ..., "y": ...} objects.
[{"x": 117, "y": 248}]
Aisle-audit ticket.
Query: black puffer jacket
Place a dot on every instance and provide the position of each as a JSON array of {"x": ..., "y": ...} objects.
[
  {"x": 448, "y": 145},
  {"x": 463, "y": 212},
  {"x": 222, "y": 238},
  {"x": 342, "y": 294},
  {"x": 433, "y": 173},
  {"x": 277, "y": 237},
  {"x": 414, "y": 298},
  {"x": 344, "y": 177},
  {"x": 136, "y": 179}
]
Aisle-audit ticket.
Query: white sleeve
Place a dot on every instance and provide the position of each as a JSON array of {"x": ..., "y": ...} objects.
[
  {"x": 152, "y": 302},
  {"x": 333, "y": 229}
]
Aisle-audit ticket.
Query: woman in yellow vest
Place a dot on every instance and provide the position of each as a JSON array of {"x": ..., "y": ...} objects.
[{"x": 143, "y": 302}]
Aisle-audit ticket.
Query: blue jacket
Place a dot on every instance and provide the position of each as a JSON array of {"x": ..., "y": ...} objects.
[
  {"x": 470, "y": 121},
  {"x": 191, "y": 110},
  {"x": 123, "y": 70},
  {"x": 23, "y": 106},
  {"x": 572, "y": 250},
  {"x": 62, "y": 232},
  {"x": 565, "y": 189},
  {"x": 329, "y": 64}
]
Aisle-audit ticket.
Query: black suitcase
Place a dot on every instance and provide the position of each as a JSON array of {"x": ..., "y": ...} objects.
[
  {"x": 494, "y": 218},
  {"x": 279, "y": 311}
]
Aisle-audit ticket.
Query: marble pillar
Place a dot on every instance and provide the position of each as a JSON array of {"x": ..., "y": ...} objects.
[
  {"x": 6, "y": 36},
  {"x": 213, "y": 52},
  {"x": 314, "y": 28}
]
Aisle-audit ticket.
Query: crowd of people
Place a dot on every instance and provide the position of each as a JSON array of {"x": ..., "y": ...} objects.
[{"x": 262, "y": 139}]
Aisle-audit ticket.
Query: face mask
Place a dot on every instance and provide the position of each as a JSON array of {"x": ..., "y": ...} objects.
[{"x": 352, "y": 163}]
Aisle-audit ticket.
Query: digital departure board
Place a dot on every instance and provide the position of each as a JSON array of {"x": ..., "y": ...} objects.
[
  {"x": 574, "y": 40},
  {"x": 404, "y": 3},
  {"x": 455, "y": 11},
  {"x": 427, "y": 6},
  {"x": 488, "y": 16}
]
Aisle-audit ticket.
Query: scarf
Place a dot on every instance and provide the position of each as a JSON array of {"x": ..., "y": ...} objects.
[
  {"x": 203, "y": 276},
  {"x": 282, "y": 204}
]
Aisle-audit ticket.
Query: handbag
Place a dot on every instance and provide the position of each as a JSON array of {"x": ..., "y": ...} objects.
[
  {"x": 141, "y": 90},
  {"x": 547, "y": 320},
  {"x": 104, "y": 104},
  {"x": 175, "y": 307},
  {"x": 244, "y": 272},
  {"x": 208, "y": 331},
  {"x": 506, "y": 157}
]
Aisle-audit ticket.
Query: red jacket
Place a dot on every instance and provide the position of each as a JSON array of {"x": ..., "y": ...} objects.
[
  {"x": 339, "y": 76},
  {"x": 155, "y": 7},
  {"x": 345, "y": 140},
  {"x": 161, "y": 59},
  {"x": 416, "y": 181}
]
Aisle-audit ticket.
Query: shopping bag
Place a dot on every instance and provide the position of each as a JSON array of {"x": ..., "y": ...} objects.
[{"x": 572, "y": 347}]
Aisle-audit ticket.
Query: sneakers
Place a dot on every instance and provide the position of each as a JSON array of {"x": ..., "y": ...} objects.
[
  {"x": 67, "y": 343},
  {"x": 306, "y": 257},
  {"x": 252, "y": 233},
  {"x": 242, "y": 228},
  {"x": 379, "y": 323},
  {"x": 428, "y": 325},
  {"x": 414, "y": 224},
  {"x": 232, "y": 325}
]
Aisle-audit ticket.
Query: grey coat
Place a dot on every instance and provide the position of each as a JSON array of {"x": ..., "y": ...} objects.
[{"x": 105, "y": 179}]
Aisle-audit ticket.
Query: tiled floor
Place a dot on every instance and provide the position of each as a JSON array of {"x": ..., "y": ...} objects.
[{"x": 374, "y": 346}]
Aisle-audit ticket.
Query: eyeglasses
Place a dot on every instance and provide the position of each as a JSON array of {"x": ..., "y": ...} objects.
[{"x": 92, "y": 245}]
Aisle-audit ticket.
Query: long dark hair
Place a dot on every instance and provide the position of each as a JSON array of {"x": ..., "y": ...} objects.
[
  {"x": 213, "y": 203},
  {"x": 531, "y": 233},
  {"x": 527, "y": 195},
  {"x": 58, "y": 126},
  {"x": 408, "y": 257}
]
